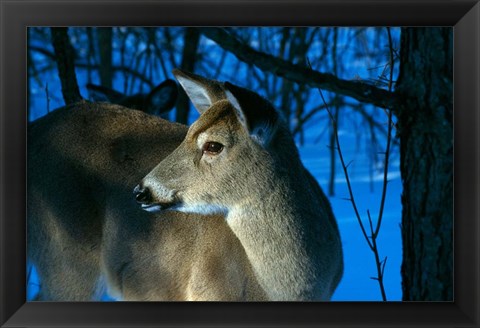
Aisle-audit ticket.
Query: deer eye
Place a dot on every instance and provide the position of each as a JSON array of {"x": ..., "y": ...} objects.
[{"x": 212, "y": 148}]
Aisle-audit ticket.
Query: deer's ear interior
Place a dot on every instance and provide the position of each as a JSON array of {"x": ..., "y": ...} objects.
[
  {"x": 202, "y": 92},
  {"x": 163, "y": 98},
  {"x": 196, "y": 89},
  {"x": 254, "y": 112}
]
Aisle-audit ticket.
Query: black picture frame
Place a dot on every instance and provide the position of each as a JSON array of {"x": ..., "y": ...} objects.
[{"x": 16, "y": 15}]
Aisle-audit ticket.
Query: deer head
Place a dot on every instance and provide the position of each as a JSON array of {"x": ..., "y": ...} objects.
[{"x": 227, "y": 150}]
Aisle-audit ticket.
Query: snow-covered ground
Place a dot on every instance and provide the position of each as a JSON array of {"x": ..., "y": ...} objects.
[{"x": 356, "y": 284}]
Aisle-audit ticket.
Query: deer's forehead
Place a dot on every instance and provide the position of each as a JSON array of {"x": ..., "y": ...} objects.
[{"x": 219, "y": 119}]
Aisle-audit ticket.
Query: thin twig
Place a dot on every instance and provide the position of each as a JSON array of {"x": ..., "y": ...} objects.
[
  {"x": 345, "y": 169},
  {"x": 389, "y": 138},
  {"x": 372, "y": 240},
  {"x": 48, "y": 97},
  {"x": 378, "y": 263}
]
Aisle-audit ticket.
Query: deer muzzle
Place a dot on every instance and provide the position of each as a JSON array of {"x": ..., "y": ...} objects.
[{"x": 153, "y": 203}]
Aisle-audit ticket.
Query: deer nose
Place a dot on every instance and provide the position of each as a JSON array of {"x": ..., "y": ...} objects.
[{"x": 142, "y": 195}]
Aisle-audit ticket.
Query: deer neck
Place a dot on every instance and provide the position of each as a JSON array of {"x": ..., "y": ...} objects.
[{"x": 277, "y": 236}]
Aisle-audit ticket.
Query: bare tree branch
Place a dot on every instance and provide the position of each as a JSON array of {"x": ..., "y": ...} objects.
[
  {"x": 389, "y": 138},
  {"x": 372, "y": 239},
  {"x": 120, "y": 68},
  {"x": 362, "y": 92}
]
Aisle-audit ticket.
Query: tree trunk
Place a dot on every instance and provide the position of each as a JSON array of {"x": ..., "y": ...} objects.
[
  {"x": 65, "y": 58},
  {"x": 105, "y": 52},
  {"x": 425, "y": 126},
  {"x": 192, "y": 36}
]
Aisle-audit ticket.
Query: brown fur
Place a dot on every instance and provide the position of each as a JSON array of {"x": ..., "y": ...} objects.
[
  {"x": 271, "y": 203},
  {"x": 83, "y": 163},
  {"x": 85, "y": 230}
]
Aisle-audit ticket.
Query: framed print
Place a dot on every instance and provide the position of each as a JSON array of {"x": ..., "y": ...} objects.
[{"x": 328, "y": 168}]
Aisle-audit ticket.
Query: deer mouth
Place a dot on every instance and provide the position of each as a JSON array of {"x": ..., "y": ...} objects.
[
  {"x": 152, "y": 203},
  {"x": 157, "y": 207}
]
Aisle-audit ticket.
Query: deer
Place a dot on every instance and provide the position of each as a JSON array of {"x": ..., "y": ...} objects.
[
  {"x": 151, "y": 210},
  {"x": 159, "y": 101}
]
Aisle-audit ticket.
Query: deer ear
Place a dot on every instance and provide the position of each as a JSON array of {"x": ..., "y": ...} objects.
[
  {"x": 100, "y": 93},
  {"x": 254, "y": 112},
  {"x": 202, "y": 92},
  {"x": 163, "y": 98}
]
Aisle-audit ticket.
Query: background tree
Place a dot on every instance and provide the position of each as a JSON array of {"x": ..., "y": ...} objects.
[
  {"x": 425, "y": 111},
  {"x": 105, "y": 55},
  {"x": 65, "y": 58}
]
